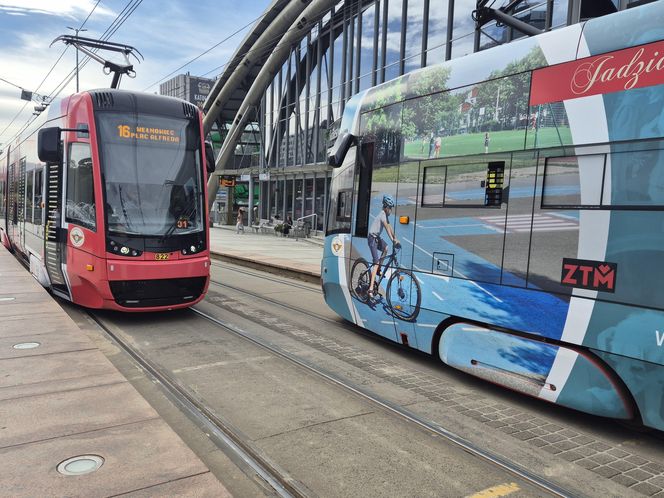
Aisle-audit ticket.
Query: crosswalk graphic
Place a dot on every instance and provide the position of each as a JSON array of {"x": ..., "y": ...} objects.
[{"x": 519, "y": 223}]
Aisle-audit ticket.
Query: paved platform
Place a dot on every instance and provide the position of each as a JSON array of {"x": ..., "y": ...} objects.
[
  {"x": 298, "y": 256},
  {"x": 64, "y": 398}
]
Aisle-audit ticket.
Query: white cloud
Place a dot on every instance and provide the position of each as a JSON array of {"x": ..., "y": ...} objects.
[
  {"x": 168, "y": 37},
  {"x": 66, "y": 8}
]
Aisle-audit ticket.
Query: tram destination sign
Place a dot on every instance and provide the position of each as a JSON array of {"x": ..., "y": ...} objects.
[{"x": 162, "y": 135}]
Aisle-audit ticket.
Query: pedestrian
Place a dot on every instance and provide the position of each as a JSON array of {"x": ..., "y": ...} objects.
[
  {"x": 432, "y": 142},
  {"x": 240, "y": 221},
  {"x": 436, "y": 147},
  {"x": 288, "y": 224},
  {"x": 486, "y": 142}
]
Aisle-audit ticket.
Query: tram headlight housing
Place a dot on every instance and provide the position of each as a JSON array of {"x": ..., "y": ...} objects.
[
  {"x": 193, "y": 249},
  {"x": 118, "y": 248}
]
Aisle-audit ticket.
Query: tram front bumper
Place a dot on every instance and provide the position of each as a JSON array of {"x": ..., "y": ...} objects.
[{"x": 152, "y": 286}]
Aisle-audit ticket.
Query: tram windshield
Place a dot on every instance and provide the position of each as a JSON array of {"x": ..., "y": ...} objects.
[{"x": 151, "y": 171}]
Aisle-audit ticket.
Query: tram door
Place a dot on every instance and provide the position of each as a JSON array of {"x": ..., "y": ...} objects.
[
  {"x": 12, "y": 215},
  {"x": 20, "y": 227},
  {"x": 374, "y": 315},
  {"x": 55, "y": 237},
  {"x": 405, "y": 294}
]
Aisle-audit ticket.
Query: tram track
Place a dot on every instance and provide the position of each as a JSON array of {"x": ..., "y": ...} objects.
[
  {"x": 260, "y": 467},
  {"x": 276, "y": 301},
  {"x": 281, "y": 304},
  {"x": 395, "y": 410},
  {"x": 224, "y": 436},
  {"x": 268, "y": 276}
]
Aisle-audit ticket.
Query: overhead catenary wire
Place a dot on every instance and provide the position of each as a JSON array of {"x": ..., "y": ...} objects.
[
  {"x": 270, "y": 45},
  {"x": 120, "y": 19},
  {"x": 207, "y": 51},
  {"x": 25, "y": 105}
]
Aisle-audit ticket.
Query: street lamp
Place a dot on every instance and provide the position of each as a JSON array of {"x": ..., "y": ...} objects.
[{"x": 77, "y": 31}]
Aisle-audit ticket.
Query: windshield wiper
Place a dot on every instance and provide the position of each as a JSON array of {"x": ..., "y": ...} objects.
[{"x": 124, "y": 209}]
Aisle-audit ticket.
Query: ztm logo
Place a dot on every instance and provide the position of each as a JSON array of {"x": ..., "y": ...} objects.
[{"x": 586, "y": 274}]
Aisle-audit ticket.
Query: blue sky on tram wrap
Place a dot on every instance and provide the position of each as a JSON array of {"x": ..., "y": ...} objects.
[{"x": 168, "y": 33}]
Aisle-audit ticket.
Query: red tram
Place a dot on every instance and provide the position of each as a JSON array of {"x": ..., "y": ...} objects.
[{"x": 104, "y": 199}]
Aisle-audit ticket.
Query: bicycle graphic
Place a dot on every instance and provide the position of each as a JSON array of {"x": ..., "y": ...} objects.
[{"x": 403, "y": 294}]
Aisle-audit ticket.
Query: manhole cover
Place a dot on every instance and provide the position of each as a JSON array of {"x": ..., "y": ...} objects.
[{"x": 80, "y": 465}]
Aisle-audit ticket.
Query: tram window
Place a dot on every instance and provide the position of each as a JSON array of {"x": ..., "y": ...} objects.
[
  {"x": 341, "y": 196},
  {"x": 464, "y": 185},
  {"x": 80, "y": 187},
  {"x": 38, "y": 187},
  {"x": 637, "y": 180},
  {"x": 29, "y": 195},
  {"x": 2, "y": 198},
  {"x": 344, "y": 205},
  {"x": 573, "y": 181},
  {"x": 21, "y": 189},
  {"x": 363, "y": 182},
  {"x": 433, "y": 191}
]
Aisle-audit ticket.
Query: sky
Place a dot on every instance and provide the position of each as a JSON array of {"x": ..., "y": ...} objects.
[{"x": 169, "y": 34}]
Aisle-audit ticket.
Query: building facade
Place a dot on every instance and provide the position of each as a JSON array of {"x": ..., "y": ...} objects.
[{"x": 187, "y": 87}]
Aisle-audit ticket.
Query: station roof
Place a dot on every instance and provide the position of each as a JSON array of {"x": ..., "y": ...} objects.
[{"x": 230, "y": 109}]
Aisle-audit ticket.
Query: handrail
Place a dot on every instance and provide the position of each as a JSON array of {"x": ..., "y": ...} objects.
[{"x": 315, "y": 225}]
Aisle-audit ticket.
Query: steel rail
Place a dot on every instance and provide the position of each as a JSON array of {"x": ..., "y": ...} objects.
[
  {"x": 277, "y": 303},
  {"x": 394, "y": 409},
  {"x": 221, "y": 434}
]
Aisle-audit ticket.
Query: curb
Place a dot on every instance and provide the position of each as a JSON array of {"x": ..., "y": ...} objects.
[{"x": 275, "y": 268}]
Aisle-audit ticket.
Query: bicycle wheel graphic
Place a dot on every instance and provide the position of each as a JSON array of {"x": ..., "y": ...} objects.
[
  {"x": 404, "y": 295},
  {"x": 359, "y": 280}
]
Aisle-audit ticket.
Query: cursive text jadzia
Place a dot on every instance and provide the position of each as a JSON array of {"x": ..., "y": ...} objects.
[{"x": 600, "y": 70}]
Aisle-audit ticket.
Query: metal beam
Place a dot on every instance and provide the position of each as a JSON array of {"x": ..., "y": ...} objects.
[
  {"x": 484, "y": 14},
  {"x": 224, "y": 87},
  {"x": 299, "y": 28}
]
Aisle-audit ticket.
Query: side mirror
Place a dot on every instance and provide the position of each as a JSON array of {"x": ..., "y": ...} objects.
[
  {"x": 49, "y": 149},
  {"x": 210, "y": 165},
  {"x": 336, "y": 155}
]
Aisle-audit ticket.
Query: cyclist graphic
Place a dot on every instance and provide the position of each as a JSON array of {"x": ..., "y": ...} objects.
[
  {"x": 403, "y": 295},
  {"x": 377, "y": 245}
]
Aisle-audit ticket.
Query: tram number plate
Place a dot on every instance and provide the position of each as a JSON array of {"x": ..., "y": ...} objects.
[{"x": 161, "y": 256}]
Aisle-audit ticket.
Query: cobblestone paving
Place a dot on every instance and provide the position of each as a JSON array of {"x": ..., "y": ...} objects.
[{"x": 625, "y": 468}]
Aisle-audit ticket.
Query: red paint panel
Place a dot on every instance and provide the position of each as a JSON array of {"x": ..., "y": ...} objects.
[
  {"x": 148, "y": 270},
  {"x": 635, "y": 67}
]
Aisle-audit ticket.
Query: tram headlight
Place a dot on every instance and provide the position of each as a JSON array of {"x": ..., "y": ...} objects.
[{"x": 124, "y": 250}]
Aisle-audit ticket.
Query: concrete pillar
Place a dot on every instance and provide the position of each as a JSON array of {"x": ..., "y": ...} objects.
[{"x": 250, "y": 216}]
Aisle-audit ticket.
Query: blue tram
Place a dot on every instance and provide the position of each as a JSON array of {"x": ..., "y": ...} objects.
[{"x": 525, "y": 243}]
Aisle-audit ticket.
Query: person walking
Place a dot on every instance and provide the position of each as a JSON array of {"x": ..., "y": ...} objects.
[
  {"x": 288, "y": 224},
  {"x": 240, "y": 221},
  {"x": 486, "y": 142},
  {"x": 436, "y": 147}
]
